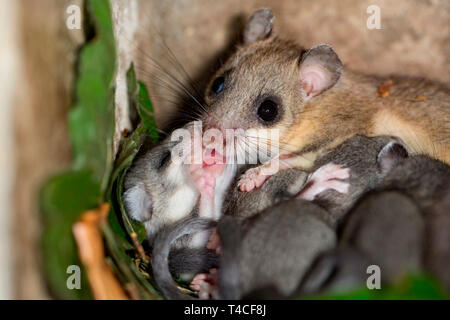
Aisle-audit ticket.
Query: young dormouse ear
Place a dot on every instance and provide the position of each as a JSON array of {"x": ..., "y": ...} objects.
[
  {"x": 259, "y": 26},
  {"x": 138, "y": 203},
  {"x": 320, "y": 69},
  {"x": 391, "y": 154}
]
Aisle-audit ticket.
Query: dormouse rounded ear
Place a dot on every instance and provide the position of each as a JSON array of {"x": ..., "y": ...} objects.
[
  {"x": 320, "y": 69},
  {"x": 259, "y": 26},
  {"x": 391, "y": 155},
  {"x": 138, "y": 203}
]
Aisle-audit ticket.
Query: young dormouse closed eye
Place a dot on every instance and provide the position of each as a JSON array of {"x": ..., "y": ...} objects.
[{"x": 271, "y": 83}]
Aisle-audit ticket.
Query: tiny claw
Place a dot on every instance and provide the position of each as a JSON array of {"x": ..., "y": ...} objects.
[{"x": 252, "y": 179}]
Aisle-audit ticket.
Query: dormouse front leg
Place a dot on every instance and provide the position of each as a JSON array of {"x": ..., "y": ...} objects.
[
  {"x": 255, "y": 177},
  {"x": 327, "y": 177},
  {"x": 205, "y": 175}
]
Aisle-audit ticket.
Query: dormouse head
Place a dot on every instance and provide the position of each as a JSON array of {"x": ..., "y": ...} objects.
[
  {"x": 159, "y": 189},
  {"x": 266, "y": 83}
]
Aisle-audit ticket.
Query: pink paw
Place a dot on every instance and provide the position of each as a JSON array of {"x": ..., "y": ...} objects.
[
  {"x": 205, "y": 174},
  {"x": 251, "y": 179},
  {"x": 206, "y": 285},
  {"x": 326, "y": 177},
  {"x": 205, "y": 183}
]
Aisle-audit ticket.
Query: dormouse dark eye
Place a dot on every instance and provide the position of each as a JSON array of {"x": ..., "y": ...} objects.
[
  {"x": 268, "y": 110},
  {"x": 217, "y": 85}
]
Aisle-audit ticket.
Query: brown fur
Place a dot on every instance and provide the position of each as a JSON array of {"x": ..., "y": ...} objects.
[{"x": 352, "y": 106}]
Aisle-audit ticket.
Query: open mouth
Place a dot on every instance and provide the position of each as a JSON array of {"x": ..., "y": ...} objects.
[{"x": 213, "y": 162}]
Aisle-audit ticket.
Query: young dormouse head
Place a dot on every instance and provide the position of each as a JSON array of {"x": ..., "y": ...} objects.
[
  {"x": 162, "y": 187},
  {"x": 154, "y": 187},
  {"x": 267, "y": 81}
]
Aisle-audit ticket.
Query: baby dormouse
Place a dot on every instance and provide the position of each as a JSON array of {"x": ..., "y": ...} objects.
[
  {"x": 399, "y": 223},
  {"x": 337, "y": 180},
  {"x": 267, "y": 255},
  {"x": 411, "y": 205},
  {"x": 295, "y": 225},
  {"x": 285, "y": 240},
  {"x": 255, "y": 228},
  {"x": 161, "y": 189},
  {"x": 271, "y": 83}
]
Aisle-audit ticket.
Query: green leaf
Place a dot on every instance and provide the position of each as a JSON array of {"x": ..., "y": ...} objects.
[
  {"x": 145, "y": 109},
  {"x": 129, "y": 147},
  {"x": 91, "y": 122},
  {"x": 124, "y": 264},
  {"x": 411, "y": 287},
  {"x": 63, "y": 199},
  {"x": 120, "y": 225},
  {"x": 95, "y": 177},
  {"x": 132, "y": 84},
  {"x": 140, "y": 100},
  {"x": 118, "y": 218}
]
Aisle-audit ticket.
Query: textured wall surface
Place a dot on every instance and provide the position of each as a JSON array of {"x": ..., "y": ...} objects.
[
  {"x": 8, "y": 81},
  {"x": 48, "y": 55},
  {"x": 126, "y": 21}
]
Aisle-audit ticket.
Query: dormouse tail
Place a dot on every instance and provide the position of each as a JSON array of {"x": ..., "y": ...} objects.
[{"x": 161, "y": 251}]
